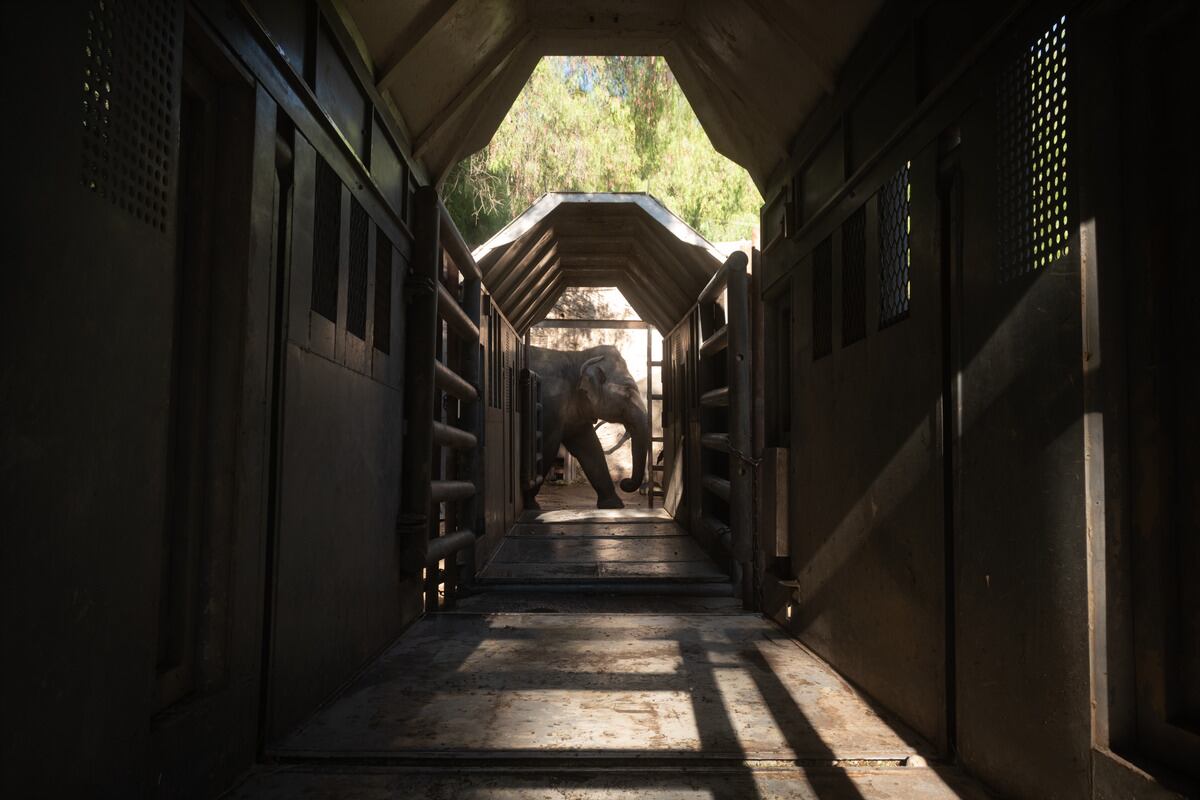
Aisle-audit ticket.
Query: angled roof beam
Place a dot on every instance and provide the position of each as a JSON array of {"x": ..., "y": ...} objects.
[
  {"x": 539, "y": 311},
  {"x": 799, "y": 40},
  {"x": 722, "y": 82},
  {"x": 420, "y": 26},
  {"x": 530, "y": 299},
  {"x": 548, "y": 262},
  {"x": 506, "y": 271},
  {"x": 488, "y": 70}
]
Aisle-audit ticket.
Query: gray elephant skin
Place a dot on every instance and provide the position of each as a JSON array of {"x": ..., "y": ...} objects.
[{"x": 578, "y": 388}]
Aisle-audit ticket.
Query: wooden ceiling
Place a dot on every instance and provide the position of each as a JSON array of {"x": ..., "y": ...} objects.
[
  {"x": 752, "y": 69},
  {"x": 630, "y": 241}
]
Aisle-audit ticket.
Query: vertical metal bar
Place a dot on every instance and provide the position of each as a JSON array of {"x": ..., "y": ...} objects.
[
  {"x": 470, "y": 465},
  {"x": 413, "y": 522},
  {"x": 650, "y": 416},
  {"x": 741, "y": 510}
]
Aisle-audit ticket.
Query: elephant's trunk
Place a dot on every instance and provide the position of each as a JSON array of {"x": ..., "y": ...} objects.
[{"x": 639, "y": 428}]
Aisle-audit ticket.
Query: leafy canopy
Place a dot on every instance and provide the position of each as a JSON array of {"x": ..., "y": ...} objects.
[{"x": 602, "y": 124}]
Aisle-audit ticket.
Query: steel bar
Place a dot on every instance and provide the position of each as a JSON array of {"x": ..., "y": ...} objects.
[
  {"x": 449, "y": 436},
  {"x": 741, "y": 412},
  {"x": 718, "y": 281},
  {"x": 715, "y": 397},
  {"x": 715, "y": 441},
  {"x": 715, "y": 343},
  {"x": 718, "y": 486},
  {"x": 455, "y": 245},
  {"x": 445, "y": 546},
  {"x": 412, "y": 524},
  {"x": 449, "y": 491},
  {"x": 450, "y": 382},
  {"x": 455, "y": 316}
]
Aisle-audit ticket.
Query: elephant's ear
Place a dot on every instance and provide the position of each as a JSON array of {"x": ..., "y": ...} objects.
[{"x": 591, "y": 377}]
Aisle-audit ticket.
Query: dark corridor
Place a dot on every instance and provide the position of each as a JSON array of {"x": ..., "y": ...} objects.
[{"x": 920, "y": 513}]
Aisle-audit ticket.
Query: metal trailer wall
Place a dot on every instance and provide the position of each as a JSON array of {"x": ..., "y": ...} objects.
[
  {"x": 938, "y": 537},
  {"x": 292, "y": 509},
  {"x": 504, "y": 358}
]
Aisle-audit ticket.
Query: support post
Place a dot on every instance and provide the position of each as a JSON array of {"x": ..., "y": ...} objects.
[{"x": 413, "y": 523}]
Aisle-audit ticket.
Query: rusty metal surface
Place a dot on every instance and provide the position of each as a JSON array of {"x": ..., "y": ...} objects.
[
  {"x": 596, "y": 686},
  {"x": 852, "y": 783}
]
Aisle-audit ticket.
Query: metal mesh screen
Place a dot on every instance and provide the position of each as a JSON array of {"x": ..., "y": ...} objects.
[
  {"x": 383, "y": 293},
  {"x": 327, "y": 225},
  {"x": 1031, "y": 108},
  {"x": 356, "y": 288},
  {"x": 854, "y": 278},
  {"x": 822, "y": 299},
  {"x": 895, "y": 255},
  {"x": 128, "y": 96}
]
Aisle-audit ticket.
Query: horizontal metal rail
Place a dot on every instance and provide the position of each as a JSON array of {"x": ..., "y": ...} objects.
[
  {"x": 715, "y": 441},
  {"x": 455, "y": 316},
  {"x": 718, "y": 486},
  {"x": 736, "y": 261},
  {"x": 715, "y": 343},
  {"x": 718, "y": 530},
  {"x": 445, "y": 546},
  {"x": 449, "y": 491},
  {"x": 716, "y": 397},
  {"x": 455, "y": 245},
  {"x": 452, "y": 383},
  {"x": 449, "y": 436}
]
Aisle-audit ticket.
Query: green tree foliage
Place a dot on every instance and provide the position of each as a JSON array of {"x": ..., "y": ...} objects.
[{"x": 602, "y": 124}]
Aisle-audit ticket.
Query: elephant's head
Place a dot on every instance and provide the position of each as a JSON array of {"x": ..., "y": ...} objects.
[{"x": 614, "y": 395}]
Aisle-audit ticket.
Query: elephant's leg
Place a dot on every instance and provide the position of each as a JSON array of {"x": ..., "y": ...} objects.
[{"x": 590, "y": 455}]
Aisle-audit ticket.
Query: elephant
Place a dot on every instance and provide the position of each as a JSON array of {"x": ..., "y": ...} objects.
[{"x": 579, "y": 387}]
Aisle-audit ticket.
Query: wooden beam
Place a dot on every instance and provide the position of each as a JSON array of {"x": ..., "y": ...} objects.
[
  {"x": 723, "y": 82},
  {"x": 800, "y": 41},
  {"x": 420, "y": 26},
  {"x": 491, "y": 67},
  {"x": 594, "y": 324}
]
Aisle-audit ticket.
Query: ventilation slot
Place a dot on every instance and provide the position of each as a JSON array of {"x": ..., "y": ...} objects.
[
  {"x": 1031, "y": 108},
  {"x": 822, "y": 289},
  {"x": 895, "y": 255},
  {"x": 128, "y": 95},
  {"x": 327, "y": 231},
  {"x": 383, "y": 293},
  {"x": 356, "y": 291},
  {"x": 854, "y": 278}
]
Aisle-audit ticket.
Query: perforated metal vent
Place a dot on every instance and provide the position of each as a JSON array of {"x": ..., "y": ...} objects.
[
  {"x": 854, "y": 278},
  {"x": 356, "y": 288},
  {"x": 895, "y": 255},
  {"x": 128, "y": 101},
  {"x": 822, "y": 299},
  {"x": 327, "y": 232},
  {"x": 1031, "y": 107},
  {"x": 383, "y": 293}
]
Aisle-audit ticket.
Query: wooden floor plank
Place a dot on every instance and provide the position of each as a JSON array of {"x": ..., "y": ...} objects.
[{"x": 592, "y": 550}]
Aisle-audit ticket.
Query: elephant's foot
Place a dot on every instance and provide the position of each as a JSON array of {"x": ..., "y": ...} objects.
[{"x": 609, "y": 502}]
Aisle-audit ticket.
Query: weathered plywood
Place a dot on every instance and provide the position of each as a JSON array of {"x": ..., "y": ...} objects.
[
  {"x": 855, "y": 783},
  {"x": 598, "y": 686},
  {"x": 572, "y": 515},
  {"x": 638, "y": 528},
  {"x": 586, "y": 550}
]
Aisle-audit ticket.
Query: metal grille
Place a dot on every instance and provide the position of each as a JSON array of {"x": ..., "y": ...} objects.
[
  {"x": 128, "y": 96},
  {"x": 356, "y": 289},
  {"x": 895, "y": 255},
  {"x": 327, "y": 232},
  {"x": 854, "y": 278},
  {"x": 1031, "y": 107},
  {"x": 383, "y": 293},
  {"x": 822, "y": 299}
]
